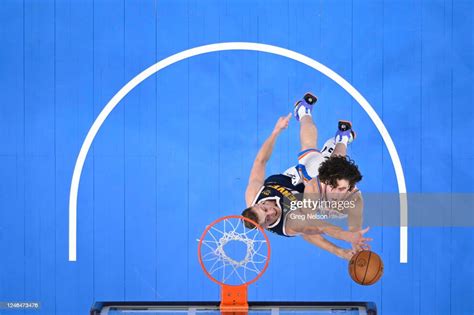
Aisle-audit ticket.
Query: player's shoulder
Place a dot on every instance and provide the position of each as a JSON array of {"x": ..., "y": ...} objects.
[{"x": 356, "y": 194}]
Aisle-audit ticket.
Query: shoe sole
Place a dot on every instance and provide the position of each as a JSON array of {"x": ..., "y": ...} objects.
[{"x": 350, "y": 127}]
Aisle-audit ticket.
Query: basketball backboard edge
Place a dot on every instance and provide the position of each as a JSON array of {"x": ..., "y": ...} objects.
[{"x": 102, "y": 308}]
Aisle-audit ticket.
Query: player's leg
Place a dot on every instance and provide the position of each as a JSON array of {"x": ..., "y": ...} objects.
[
  {"x": 344, "y": 136},
  {"x": 308, "y": 129},
  {"x": 340, "y": 149},
  {"x": 308, "y": 133},
  {"x": 309, "y": 158},
  {"x": 331, "y": 148},
  {"x": 337, "y": 145},
  {"x": 328, "y": 147}
]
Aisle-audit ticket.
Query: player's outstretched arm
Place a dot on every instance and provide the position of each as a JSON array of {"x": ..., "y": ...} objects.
[
  {"x": 257, "y": 174},
  {"x": 323, "y": 243},
  {"x": 302, "y": 222},
  {"x": 354, "y": 220},
  {"x": 310, "y": 226}
]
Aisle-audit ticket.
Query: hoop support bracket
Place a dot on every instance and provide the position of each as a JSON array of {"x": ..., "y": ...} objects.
[{"x": 234, "y": 300}]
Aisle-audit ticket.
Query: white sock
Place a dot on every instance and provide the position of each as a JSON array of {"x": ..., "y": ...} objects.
[
  {"x": 303, "y": 111},
  {"x": 344, "y": 140}
]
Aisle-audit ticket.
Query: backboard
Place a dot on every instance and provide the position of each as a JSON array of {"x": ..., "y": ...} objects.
[{"x": 213, "y": 308}]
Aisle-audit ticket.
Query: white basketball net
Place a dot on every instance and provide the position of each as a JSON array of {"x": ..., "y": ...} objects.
[{"x": 220, "y": 264}]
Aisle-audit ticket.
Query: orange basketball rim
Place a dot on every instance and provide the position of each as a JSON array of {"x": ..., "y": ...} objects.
[{"x": 234, "y": 267}]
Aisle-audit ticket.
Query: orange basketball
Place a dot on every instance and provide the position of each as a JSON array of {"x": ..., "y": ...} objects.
[{"x": 366, "y": 267}]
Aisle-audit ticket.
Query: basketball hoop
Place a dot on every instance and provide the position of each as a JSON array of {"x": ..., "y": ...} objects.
[{"x": 234, "y": 256}]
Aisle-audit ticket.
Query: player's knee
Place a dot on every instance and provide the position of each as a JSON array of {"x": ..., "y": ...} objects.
[{"x": 305, "y": 147}]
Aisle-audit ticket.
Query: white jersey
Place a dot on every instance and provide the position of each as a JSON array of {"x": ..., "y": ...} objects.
[
  {"x": 328, "y": 147},
  {"x": 312, "y": 160}
]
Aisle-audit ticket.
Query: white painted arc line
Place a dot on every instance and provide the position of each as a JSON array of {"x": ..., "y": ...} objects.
[{"x": 224, "y": 47}]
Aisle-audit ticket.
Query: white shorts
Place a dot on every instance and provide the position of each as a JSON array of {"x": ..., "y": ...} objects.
[{"x": 309, "y": 162}]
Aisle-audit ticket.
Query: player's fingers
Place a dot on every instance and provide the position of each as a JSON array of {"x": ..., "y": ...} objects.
[
  {"x": 289, "y": 116},
  {"x": 365, "y": 240},
  {"x": 365, "y": 230},
  {"x": 364, "y": 246}
]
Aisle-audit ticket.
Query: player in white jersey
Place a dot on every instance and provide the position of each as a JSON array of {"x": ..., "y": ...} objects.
[{"x": 328, "y": 177}]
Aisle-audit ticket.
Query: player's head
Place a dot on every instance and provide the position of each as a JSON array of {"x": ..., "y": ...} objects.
[
  {"x": 340, "y": 175},
  {"x": 262, "y": 213}
]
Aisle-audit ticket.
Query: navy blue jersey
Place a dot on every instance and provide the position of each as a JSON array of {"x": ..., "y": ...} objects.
[{"x": 280, "y": 189}]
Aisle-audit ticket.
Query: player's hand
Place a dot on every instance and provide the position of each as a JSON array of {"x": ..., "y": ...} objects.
[
  {"x": 360, "y": 247},
  {"x": 282, "y": 123},
  {"x": 357, "y": 239}
]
